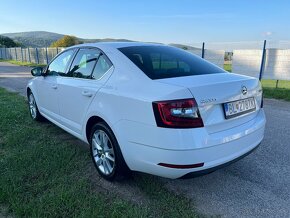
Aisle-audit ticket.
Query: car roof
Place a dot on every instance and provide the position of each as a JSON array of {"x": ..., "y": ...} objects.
[{"x": 116, "y": 45}]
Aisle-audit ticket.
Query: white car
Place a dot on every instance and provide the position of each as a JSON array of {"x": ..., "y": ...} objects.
[{"x": 148, "y": 107}]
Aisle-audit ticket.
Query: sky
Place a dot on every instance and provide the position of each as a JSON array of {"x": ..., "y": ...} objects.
[{"x": 166, "y": 21}]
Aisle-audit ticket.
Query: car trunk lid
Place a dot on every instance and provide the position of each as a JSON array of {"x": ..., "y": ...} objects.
[{"x": 211, "y": 91}]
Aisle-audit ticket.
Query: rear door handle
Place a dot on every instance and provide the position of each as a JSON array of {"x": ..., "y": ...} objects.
[
  {"x": 87, "y": 93},
  {"x": 54, "y": 86}
]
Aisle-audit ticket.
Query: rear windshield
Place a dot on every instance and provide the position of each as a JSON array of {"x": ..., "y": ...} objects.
[{"x": 160, "y": 62}]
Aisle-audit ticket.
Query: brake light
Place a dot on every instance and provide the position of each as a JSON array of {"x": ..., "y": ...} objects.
[{"x": 182, "y": 113}]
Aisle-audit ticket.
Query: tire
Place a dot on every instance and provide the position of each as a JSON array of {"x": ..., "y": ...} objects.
[
  {"x": 33, "y": 109},
  {"x": 106, "y": 153}
]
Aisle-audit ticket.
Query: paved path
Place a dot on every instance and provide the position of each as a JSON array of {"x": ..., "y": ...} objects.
[
  {"x": 256, "y": 186},
  {"x": 14, "y": 77}
]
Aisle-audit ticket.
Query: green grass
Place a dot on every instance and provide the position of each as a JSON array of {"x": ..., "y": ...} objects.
[
  {"x": 270, "y": 90},
  {"x": 27, "y": 64},
  {"x": 228, "y": 67},
  {"x": 44, "y": 175},
  {"x": 284, "y": 84},
  {"x": 277, "y": 93}
]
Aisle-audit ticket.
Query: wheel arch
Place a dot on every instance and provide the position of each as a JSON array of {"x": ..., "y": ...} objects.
[
  {"x": 96, "y": 119},
  {"x": 31, "y": 89},
  {"x": 28, "y": 90},
  {"x": 91, "y": 121}
]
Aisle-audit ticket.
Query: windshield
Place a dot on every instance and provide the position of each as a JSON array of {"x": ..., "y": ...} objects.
[{"x": 159, "y": 62}]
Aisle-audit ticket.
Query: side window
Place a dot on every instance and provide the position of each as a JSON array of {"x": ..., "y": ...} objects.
[
  {"x": 84, "y": 63},
  {"x": 58, "y": 65},
  {"x": 102, "y": 66}
]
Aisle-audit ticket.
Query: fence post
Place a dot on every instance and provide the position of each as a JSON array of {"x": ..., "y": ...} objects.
[
  {"x": 36, "y": 53},
  {"x": 29, "y": 58},
  {"x": 1, "y": 53},
  {"x": 56, "y": 50},
  {"x": 202, "y": 51},
  {"x": 15, "y": 53},
  {"x": 25, "y": 56},
  {"x": 6, "y": 56},
  {"x": 263, "y": 61},
  {"x": 46, "y": 55},
  {"x": 21, "y": 54}
]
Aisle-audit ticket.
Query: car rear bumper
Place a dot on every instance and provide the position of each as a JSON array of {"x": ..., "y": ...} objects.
[
  {"x": 210, "y": 170},
  {"x": 236, "y": 144}
]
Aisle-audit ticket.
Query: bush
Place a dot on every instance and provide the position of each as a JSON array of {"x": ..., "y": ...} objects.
[{"x": 66, "y": 41}]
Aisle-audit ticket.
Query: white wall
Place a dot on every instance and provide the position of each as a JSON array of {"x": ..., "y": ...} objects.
[
  {"x": 214, "y": 56},
  {"x": 277, "y": 65},
  {"x": 247, "y": 62}
]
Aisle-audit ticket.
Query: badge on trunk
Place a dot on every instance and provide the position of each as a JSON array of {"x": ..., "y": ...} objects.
[{"x": 244, "y": 90}]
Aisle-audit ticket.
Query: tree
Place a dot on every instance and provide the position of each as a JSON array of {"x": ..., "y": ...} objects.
[
  {"x": 66, "y": 41},
  {"x": 7, "y": 42}
]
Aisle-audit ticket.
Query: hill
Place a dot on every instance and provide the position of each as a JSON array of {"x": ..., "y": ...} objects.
[
  {"x": 35, "y": 38},
  {"x": 44, "y": 39}
]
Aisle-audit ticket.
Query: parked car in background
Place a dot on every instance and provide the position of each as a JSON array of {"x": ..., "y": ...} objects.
[{"x": 150, "y": 108}]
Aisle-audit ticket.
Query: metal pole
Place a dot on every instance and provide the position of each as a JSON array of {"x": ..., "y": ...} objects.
[
  {"x": 29, "y": 58},
  {"x": 1, "y": 53},
  {"x": 37, "y": 58},
  {"x": 56, "y": 50},
  {"x": 202, "y": 51},
  {"x": 46, "y": 55},
  {"x": 277, "y": 82},
  {"x": 263, "y": 61}
]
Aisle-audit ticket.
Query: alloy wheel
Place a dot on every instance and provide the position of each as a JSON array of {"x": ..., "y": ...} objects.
[{"x": 103, "y": 152}]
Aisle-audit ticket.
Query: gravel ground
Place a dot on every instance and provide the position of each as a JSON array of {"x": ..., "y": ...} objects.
[{"x": 256, "y": 186}]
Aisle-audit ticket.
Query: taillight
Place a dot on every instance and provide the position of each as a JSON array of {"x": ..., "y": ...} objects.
[{"x": 182, "y": 113}]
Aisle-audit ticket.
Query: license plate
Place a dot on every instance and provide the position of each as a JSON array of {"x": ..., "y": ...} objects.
[{"x": 237, "y": 108}]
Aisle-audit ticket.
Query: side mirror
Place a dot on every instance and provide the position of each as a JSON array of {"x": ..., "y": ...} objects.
[{"x": 37, "y": 71}]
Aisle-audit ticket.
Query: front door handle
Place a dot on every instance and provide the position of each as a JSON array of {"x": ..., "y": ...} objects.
[
  {"x": 54, "y": 86},
  {"x": 87, "y": 93}
]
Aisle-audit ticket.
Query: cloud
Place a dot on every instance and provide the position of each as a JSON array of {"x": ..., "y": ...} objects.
[{"x": 268, "y": 33}]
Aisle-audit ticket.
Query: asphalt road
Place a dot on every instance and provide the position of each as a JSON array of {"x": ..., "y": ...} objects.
[
  {"x": 14, "y": 77},
  {"x": 256, "y": 186}
]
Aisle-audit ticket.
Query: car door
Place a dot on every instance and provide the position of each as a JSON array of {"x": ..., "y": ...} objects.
[
  {"x": 47, "y": 85},
  {"x": 79, "y": 86}
]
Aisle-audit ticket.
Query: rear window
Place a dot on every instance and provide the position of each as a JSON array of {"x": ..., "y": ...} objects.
[{"x": 160, "y": 62}]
